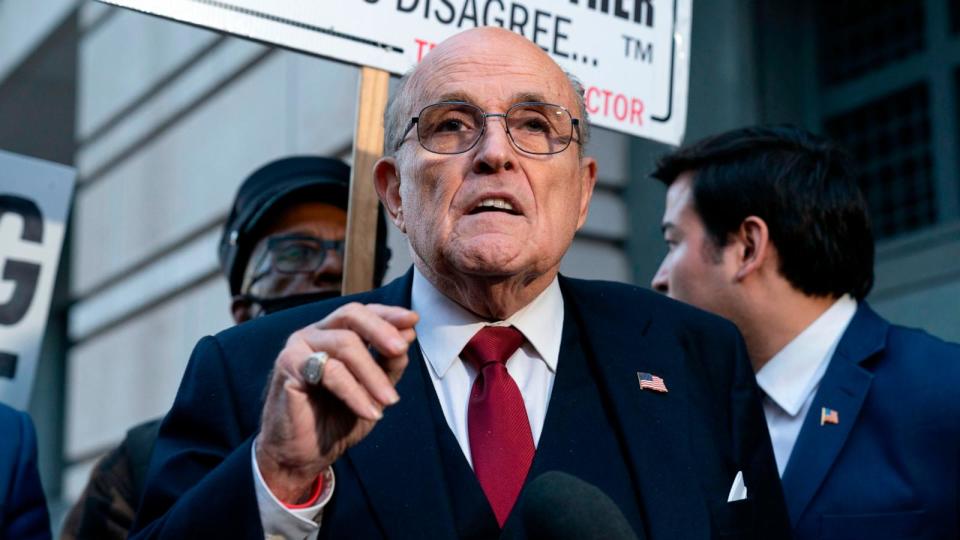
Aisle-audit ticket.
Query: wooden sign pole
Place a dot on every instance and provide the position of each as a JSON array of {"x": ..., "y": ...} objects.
[{"x": 362, "y": 209}]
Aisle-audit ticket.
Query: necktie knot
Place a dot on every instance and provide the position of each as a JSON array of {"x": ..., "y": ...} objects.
[{"x": 492, "y": 344}]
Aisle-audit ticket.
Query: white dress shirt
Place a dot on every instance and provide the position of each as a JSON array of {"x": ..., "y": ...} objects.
[
  {"x": 791, "y": 378},
  {"x": 444, "y": 329}
]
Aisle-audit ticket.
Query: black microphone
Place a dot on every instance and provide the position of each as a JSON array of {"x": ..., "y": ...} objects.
[{"x": 558, "y": 506}]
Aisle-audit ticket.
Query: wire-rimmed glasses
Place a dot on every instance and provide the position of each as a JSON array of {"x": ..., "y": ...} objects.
[{"x": 453, "y": 127}]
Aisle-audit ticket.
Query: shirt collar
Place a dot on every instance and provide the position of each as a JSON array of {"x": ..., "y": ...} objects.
[
  {"x": 794, "y": 373},
  {"x": 445, "y": 327}
]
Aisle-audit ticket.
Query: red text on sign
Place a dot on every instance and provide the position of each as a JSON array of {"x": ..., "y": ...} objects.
[
  {"x": 423, "y": 47},
  {"x": 607, "y": 103}
]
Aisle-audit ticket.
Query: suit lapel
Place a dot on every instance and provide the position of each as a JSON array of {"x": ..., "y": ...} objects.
[
  {"x": 397, "y": 464},
  {"x": 653, "y": 424},
  {"x": 843, "y": 389}
]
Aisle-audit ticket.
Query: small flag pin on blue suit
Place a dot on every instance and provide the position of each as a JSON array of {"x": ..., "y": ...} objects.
[
  {"x": 649, "y": 381},
  {"x": 829, "y": 416}
]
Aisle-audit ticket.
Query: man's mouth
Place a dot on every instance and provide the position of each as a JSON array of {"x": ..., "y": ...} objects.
[{"x": 494, "y": 205}]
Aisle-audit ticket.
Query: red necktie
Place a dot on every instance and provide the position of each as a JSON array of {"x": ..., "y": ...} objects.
[{"x": 500, "y": 438}]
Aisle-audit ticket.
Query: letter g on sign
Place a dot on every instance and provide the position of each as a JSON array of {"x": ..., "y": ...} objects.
[{"x": 24, "y": 275}]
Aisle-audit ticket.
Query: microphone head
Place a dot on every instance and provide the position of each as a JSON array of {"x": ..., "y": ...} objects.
[{"x": 558, "y": 506}]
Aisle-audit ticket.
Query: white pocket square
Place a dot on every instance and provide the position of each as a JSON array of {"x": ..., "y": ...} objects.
[{"x": 738, "y": 491}]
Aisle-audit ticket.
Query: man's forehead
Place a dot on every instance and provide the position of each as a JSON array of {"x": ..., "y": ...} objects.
[
  {"x": 475, "y": 85},
  {"x": 471, "y": 97},
  {"x": 489, "y": 46},
  {"x": 678, "y": 193},
  {"x": 679, "y": 200},
  {"x": 504, "y": 67},
  {"x": 304, "y": 216}
]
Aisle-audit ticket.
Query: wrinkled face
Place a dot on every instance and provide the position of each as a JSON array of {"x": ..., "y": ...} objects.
[
  {"x": 493, "y": 211},
  {"x": 694, "y": 270},
  {"x": 262, "y": 277}
]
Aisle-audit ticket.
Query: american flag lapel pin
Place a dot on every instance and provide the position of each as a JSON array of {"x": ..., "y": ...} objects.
[
  {"x": 649, "y": 381},
  {"x": 829, "y": 416}
]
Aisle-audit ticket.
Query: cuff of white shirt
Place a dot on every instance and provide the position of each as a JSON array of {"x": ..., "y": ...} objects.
[{"x": 280, "y": 521}]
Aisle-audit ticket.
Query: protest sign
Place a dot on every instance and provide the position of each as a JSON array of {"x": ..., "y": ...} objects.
[{"x": 34, "y": 201}]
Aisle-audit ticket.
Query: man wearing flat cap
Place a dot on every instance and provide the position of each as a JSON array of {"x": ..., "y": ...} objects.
[
  {"x": 424, "y": 408},
  {"x": 282, "y": 246}
]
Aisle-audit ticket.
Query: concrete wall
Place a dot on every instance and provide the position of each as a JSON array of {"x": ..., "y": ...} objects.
[
  {"x": 918, "y": 281},
  {"x": 24, "y": 25}
]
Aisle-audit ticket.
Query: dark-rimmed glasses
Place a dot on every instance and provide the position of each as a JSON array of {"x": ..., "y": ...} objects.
[
  {"x": 295, "y": 254},
  {"x": 453, "y": 127}
]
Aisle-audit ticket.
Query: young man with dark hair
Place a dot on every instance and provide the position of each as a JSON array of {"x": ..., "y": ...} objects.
[{"x": 768, "y": 228}]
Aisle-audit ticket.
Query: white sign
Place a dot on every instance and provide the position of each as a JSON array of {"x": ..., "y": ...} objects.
[
  {"x": 34, "y": 200},
  {"x": 632, "y": 55}
]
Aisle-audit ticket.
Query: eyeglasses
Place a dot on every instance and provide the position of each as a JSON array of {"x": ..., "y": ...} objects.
[
  {"x": 453, "y": 127},
  {"x": 295, "y": 254}
]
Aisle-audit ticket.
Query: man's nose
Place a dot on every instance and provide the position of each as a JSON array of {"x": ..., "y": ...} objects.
[
  {"x": 332, "y": 265},
  {"x": 660, "y": 281},
  {"x": 495, "y": 151}
]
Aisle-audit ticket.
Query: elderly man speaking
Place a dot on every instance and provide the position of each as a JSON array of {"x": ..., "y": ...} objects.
[{"x": 424, "y": 409}]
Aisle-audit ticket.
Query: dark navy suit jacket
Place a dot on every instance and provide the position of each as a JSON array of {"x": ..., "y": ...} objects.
[
  {"x": 23, "y": 508},
  {"x": 890, "y": 469},
  {"x": 681, "y": 449}
]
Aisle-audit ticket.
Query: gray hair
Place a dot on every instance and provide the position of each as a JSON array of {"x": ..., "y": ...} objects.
[{"x": 400, "y": 109}]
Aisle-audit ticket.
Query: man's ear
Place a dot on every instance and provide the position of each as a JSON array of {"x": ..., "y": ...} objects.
[
  {"x": 755, "y": 248},
  {"x": 386, "y": 178},
  {"x": 588, "y": 180}
]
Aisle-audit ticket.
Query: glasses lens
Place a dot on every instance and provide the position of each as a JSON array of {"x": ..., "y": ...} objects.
[
  {"x": 540, "y": 128},
  {"x": 449, "y": 128},
  {"x": 291, "y": 255}
]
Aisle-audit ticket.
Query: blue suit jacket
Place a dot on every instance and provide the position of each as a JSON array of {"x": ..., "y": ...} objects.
[
  {"x": 23, "y": 509},
  {"x": 683, "y": 448},
  {"x": 890, "y": 469}
]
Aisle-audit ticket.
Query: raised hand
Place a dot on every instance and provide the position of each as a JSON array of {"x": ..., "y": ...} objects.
[{"x": 305, "y": 428}]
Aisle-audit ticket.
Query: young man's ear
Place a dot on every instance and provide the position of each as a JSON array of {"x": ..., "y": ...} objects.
[
  {"x": 386, "y": 178},
  {"x": 755, "y": 249}
]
